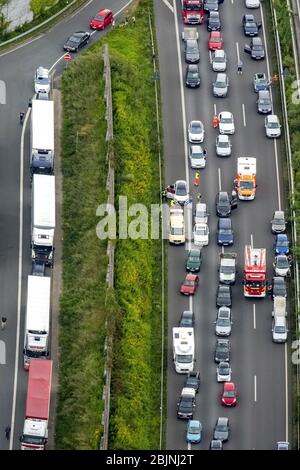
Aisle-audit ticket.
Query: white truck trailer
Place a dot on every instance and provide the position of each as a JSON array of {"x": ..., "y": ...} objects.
[
  {"x": 43, "y": 219},
  {"x": 42, "y": 137},
  {"x": 37, "y": 323}
]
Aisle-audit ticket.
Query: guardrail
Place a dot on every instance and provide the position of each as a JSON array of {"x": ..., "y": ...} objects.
[
  {"x": 110, "y": 186},
  {"x": 289, "y": 158}
]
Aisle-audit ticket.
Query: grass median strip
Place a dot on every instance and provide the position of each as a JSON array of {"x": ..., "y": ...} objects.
[{"x": 135, "y": 398}]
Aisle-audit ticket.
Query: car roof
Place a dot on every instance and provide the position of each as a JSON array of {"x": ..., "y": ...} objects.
[
  {"x": 193, "y": 67},
  {"x": 201, "y": 207},
  {"x": 222, "y": 420},
  {"x": 215, "y": 34},
  {"x": 279, "y": 280},
  {"x": 195, "y": 122},
  {"x": 226, "y": 113},
  {"x": 224, "y": 223},
  {"x": 219, "y": 53},
  {"x": 256, "y": 40},
  {"x": 191, "y": 277},
  {"x": 223, "y": 138},
  {"x": 223, "y": 195},
  {"x": 279, "y": 214},
  {"x": 281, "y": 236},
  {"x": 249, "y": 17},
  {"x": 194, "y": 422},
  {"x": 221, "y": 76},
  {"x": 179, "y": 182},
  {"x": 229, "y": 386},
  {"x": 272, "y": 118},
  {"x": 103, "y": 12},
  {"x": 42, "y": 72}
]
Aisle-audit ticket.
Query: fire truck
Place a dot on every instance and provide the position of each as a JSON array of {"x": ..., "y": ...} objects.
[
  {"x": 192, "y": 11},
  {"x": 245, "y": 181},
  {"x": 255, "y": 272}
]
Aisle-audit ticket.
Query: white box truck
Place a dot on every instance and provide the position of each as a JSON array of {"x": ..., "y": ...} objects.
[
  {"x": 43, "y": 219},
  {"x": 37, "y": 322},
  {"x": 279, "y": 326},
  {"x": 42, "y": 137},
  {"x": 183, "y": 349}
]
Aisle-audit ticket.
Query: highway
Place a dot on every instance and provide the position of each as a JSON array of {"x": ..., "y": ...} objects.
[
  {"x": 260, "y": 368},
  {"x": 17, "y": 68}
]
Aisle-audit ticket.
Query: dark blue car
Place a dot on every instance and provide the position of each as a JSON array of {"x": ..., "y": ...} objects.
[
  {"x": 282, "y": 244},
  {"x": 225, "y": 232}
]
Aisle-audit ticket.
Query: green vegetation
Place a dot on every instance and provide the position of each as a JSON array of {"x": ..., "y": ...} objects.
[
  {"x": 135, "y": 397},
  {"x": 82, "y": 311}
]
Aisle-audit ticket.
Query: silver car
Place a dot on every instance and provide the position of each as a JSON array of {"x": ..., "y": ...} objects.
[
  {"x": 197, "y": 156},
  {"x": 218, "y": 61},
  {"x": 264, "y": 102},
  {"x": 223, "y": 322},
  {"x": 201, "y": 214},
  {"x": 41, "y": 80},
  {"x": 278, "y": 223},
  {"x": 223, "y": 372},
  {"x": 282, "y": 266},
  {"x": 272, "y": 126},
  {"x": 223, "y": 146},
  {"x": 220, "y": 85}
]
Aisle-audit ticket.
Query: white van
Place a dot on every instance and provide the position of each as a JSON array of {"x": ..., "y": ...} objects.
[{"x": 279, "y": 314}]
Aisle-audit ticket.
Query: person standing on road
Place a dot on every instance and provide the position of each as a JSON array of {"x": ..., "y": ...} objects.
[
  {"x": 3, "y": 322},
  {"x": 215, "y": 121},
  {"x": 21, "y": 116},
  {"x": 7, "y": 432}
]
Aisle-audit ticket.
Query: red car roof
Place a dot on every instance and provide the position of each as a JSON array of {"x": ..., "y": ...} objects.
[
  {"x": 103, "y": 12},
  {"x": 191, "y": 277}
]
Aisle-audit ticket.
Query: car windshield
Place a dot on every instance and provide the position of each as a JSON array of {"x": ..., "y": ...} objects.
[
  {"x": 278, "y": 221},
  {"x": 223, "y": 369},
  {"x": 255, "y": 283},
  {"x": 192, "y": 50},
  {"x": 42, "y": 80},
  {"x": 193, "y": 75},
  {"x": 246, "y": 184},
  {"x": 177, "y": 231},
  {"x": 226, "y": 120},
  {"x": 273, "y": 125},
  {"x": 284, "y": 243},
  {"x": 219, "y": 59},
  {"x": 194, "y": 430},
  {"x": 75, "y": 38},
  {"x": 223, "y": 204},
  {"x": 181, "y": 191},
  {"x": 229, "y": 394},
  {"x": 221, "y": 428},
  {"x": 279, "y": 329},
  {"x": 223, "y": 322},
  {"x": 201, "y": 231},
  {"x": 224, "y": 230},
  {"x": 189, "y": 282},
  {"x": 250, "y": 24},
  {"x": 220, "y": 84},
  {"x": 257, "y": 47},
  {"x": 282, "y": 263},
  {"x": 194, "y": 259},
  {"x": 223, "y": 144},
  {"x": 264, "y": 101},
  {"x": 200, "y": 214},
  {"x": 99, "y": 18},
  {"x": 215, "y": 39},
  {"x": 184, "y": 358},
  {"x": 197, "y": 155},
  {"x": 227, "y": 269},
  {"x": 193, "y": 7},
  {"x": 196, "y": 128}
]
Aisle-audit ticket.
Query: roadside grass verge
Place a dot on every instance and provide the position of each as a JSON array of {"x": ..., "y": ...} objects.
[
  {"x": 82, "y": 309},
  {"x": 136, "y": 302}
]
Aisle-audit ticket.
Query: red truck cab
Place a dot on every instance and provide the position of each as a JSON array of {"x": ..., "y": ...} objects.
[{"x": 192, "y": 11}]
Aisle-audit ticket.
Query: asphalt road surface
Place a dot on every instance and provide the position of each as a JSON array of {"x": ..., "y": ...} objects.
[
  {"x": 17, "y": 68},
  {"x": 259, "y": 367}
]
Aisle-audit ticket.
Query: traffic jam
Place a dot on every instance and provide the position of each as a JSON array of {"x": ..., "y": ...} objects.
[{"x": 255, "y": 284}]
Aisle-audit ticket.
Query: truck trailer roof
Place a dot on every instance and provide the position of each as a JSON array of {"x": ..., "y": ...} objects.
[
  {"x": 246, "y": 166},
  {"x": 39, "y": 389},
  {"x": 42, "y": 124},
  {"x": 43, "y": 208},
  {"x": 38, "y": 303}
]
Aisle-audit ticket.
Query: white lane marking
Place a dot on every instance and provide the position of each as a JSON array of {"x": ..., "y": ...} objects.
[
  {"x": 244, "y": 114},
  {"x": 13, "y": 411},
  {"x": 223, "y": 249},
  {"x": 232, "y": 1},
  {"x": 184, "y": 126},
  {"x": 189, "y": 446},
  {"x": 21, "y": 45},
  {"x": 190, "y": 303},
  {"x": 215, "y": 109},
  {"x": 286, "y": 393},
  {"x": 255, "y": 389},
  {"x": 237, "y": 51},
  {"x": 219, "y": 178},
  {"x": 254, "y": 317},
  {"x": 269, "y": 75},
  {"x": 168, "y": 5},
  {"x": 209, "y": 52},
  {"x": 251, "y": 240}
]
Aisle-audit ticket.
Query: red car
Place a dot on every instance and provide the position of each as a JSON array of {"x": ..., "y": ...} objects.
[
  {"x": 215, "y": 41},
  {"x": 102, "y": 19},
  {"x": 229, "y": 395},
  {"x": 190, "y": 284}
]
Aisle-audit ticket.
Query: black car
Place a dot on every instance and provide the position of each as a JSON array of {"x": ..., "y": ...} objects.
[
  {"x": 192, "y": 76},
  {"x": 222, "y": 429},
  {"x": 193, "y": 381},
  {"x": 250, "y": 25},
  {"x": 256, "y": 49},
  {"x": 213, "y": 21},
  {"x": 186, "y": 404},
  {"x": 278, "y": 287},
  {"x": 222, "y": 351},
  {"x": 224, "y": 204},
  {"x": 187, "y": 319},
  {"x": 194, "y": 260},
  {"x": 223, "y": 296},
  {"x": 76, "y": 41}
]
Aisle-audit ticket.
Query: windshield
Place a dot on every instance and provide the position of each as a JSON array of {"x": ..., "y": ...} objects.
[
  {"x": 226, "y": 120},
  {"x": 75, "y": 39},
  {"x": 184, "y": 359},
  {"x": 196, "y": 129},
  {"x": 192, "y": 50},
  {"x": 224, "y": 370},
  {"x": 188, "y": 282},
  {"x": 223, "y": 144},
  {"x": 229, "y": 394},
  {"x": 273, "y": 125},
  {"x": 177, "y": 231},
  {"x": 221, "y": 428},
  {"x": 201, "y": 231},
  {"x": 194, "y": 259},
  {"x": 257, "y": 48},
  {"x": 220, "y": 84},
  {"x": 246, "y": 184},
  {"x": 255, "y": 283},
  {"x": 284, "y": 243},
  {"x": 282, "y": 263},
  {"x": 264, "y": 101},
  {"x": 215, "y": 39},
  {"x": 194, "y": 6},
  {"x": 251, "y": 25},
  {"x": 278, "y": 221},
  {"x": 43, "y": 80},
  {"x": 181, "y": 191},
  {"x": 99, "y": 18},
  {"x": 194, "y": 430},
  {"x": 223, "y": 322},
  {"x": 33, "y": 439},
  {"x": 197, "y": 155},
  {"x": 225, "y": 231},
  {"x": 227, "y": 269},
  {"x": 219, "y": 59},
  {"x": 194, "y": 76},
  {"x": 279, "y": 329},
  {"x": 42, "y": 249}
]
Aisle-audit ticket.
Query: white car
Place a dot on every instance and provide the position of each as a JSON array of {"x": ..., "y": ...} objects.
[
  {"x": 223, "y": 146},
  {"x": 41, "y": 80},
  {"x": 218, "y": 60},
  {"x": 201, "y": 234},
  {"x": 272, "y": 126},
  {"x": 252, "y": 3},
  {"x": 223, "y": 322},
  {"x": 282, "y": 266},
  {"x": 201, "y": 214},
  {"x": 223, "y": 372},
  {"x": 181, "y": 192},
  {"x": 197, "y": 156},
  {"x": 196, "y": 132},
  {"x": 226, "y": 123},
  {"x": 176, "y": 228}
]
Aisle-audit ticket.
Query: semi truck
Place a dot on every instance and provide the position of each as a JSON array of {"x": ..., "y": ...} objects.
[
  {"x": 35, "y": 430},
  {"x": 192, "y": 11},
  {"x": 43, "y": 219},
  {"x": 227, "y": 268},
  {"x": 255, "y": 269},
  {"x": 245, "y": 181},
  {"x": 42, "y": 137},
  {"x": 183, "y": 349},
  {"x": 37, "y": 323}
]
